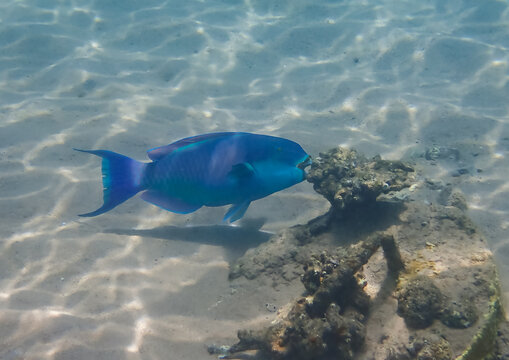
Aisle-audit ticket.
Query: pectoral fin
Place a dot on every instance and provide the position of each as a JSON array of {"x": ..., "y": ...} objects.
[
  {"x": 242, "y": 170},
  {"x": 168, "y": 203},
  {"x": 236, "y": 211}
]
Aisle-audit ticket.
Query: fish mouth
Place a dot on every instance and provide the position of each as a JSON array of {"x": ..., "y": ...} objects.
[{"x": 304, "y": 164}]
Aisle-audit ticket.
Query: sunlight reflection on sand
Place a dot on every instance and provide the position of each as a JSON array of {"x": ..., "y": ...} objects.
[{"x": 396, "y": 78}]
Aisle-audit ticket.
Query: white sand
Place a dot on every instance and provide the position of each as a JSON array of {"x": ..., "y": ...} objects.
[{"x": 389, "y": 77}]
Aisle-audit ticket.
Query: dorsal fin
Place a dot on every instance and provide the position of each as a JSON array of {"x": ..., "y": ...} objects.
[{"x": 159, "y": 152}]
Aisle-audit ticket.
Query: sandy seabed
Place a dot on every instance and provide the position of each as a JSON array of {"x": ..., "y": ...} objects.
[{"x": 425, "y": 81}]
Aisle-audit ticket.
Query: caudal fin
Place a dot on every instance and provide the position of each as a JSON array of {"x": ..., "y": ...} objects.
[{"x": 121, "y": 179}]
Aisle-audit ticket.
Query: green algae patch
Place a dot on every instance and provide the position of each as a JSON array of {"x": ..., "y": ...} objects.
[{"x": 482, "y": 344}]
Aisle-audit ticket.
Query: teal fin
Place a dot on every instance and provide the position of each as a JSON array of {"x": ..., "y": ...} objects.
[
  {"x": 171, "y": 204},
  {"x": 121, "y": 179},
  {"x": 236, "y": 212},
  {"x": 242, "y": 170}
]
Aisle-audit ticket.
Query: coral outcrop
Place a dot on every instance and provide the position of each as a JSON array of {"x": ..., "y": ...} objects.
[{"x": 430, "y": 293}]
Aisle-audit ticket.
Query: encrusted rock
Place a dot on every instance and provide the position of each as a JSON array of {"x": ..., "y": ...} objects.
[
  {"x": 420, "y": 302},
  {"x": 344, "y": 177},
  {"x": 329, "y": 322},
  {"x": 457, "y": 199},
  {"x": 459, "y": 314},
  {"x": 441, "y": 152},
  {"x": 434, "y": 348},
  {"x": 421, "y": 241}
]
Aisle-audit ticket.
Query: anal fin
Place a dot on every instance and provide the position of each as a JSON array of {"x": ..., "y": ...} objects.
[{"x": 168, "y": 203}]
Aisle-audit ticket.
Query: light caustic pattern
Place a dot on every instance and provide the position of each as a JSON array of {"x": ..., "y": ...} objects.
[{"x": 427, "y": 81}]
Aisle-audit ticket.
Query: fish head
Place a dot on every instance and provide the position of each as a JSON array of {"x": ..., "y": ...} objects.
[
  {"x": 289, "y": 154},
  {"x": 283, "y": 166}
]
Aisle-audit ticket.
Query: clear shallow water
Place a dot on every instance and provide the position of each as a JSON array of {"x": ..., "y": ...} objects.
[{"x": 390, "y": 77}]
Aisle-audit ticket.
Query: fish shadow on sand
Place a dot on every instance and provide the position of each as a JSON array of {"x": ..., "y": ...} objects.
[{"x": 235, "y": 240}]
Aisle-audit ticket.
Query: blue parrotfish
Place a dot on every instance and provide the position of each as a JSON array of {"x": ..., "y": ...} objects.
[{"x": 216, "y": 169}]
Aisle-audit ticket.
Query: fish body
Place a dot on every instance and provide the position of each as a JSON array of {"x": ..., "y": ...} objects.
[{"x": 213, "y": 169}]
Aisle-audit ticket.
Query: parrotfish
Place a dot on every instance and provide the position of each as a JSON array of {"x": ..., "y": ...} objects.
[{"x": 212, "y": 169}]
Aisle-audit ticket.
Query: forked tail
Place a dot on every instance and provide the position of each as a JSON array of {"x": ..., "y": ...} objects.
[{"x": 121, "y": 179}]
